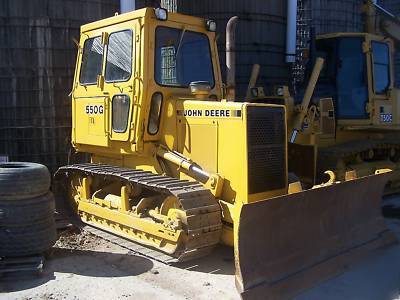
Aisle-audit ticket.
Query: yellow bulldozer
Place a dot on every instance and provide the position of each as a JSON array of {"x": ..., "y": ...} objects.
[
  {"x": 347, "y": 118},
  {"x": 352, "y": 122},
  {"x": 179, "y": 165}
]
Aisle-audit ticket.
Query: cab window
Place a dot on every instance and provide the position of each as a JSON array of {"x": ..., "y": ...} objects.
[
  {"x": 381, "y": 60},
  {"x": 119, "y": 56},
  {"x": 182, "y": 57},
  {"x": 91, "y": 61},
  {"x": 120, "y": 113}
]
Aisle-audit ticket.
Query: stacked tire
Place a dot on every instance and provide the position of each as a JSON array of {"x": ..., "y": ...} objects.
[{"x": 27, "y": 225}]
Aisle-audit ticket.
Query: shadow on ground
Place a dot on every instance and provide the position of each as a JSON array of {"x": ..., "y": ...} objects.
[
  {"x": 377, "y": 276},
  {"x": 220, "y": 261},
  {"x": 81, "y": 262}
]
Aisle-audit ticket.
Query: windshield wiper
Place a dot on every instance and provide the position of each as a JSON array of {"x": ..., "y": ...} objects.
[{"x": 180, "y": 43}]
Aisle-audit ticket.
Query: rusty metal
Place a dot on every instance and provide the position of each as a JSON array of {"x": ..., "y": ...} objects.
[{"x": 291, "y": 243}]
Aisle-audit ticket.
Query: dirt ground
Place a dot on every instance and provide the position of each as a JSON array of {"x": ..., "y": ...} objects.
[{"x": 82, "y": 266}]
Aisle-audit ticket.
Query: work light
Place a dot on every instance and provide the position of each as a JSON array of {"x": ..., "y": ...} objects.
[
  {"x": 161, "y": 14},
  {"x": 211, "y": 25}
]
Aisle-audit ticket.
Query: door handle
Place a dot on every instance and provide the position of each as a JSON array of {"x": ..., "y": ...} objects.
[{"x": 107, "y": 116}]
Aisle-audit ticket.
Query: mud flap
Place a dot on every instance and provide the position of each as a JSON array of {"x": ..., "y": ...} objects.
[{"x": 291, "y": 243}]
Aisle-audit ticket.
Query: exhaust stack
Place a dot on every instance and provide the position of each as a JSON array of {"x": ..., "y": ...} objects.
[
  {"x": 231, "y": 58},
  {"x": 291, "y": 31}
]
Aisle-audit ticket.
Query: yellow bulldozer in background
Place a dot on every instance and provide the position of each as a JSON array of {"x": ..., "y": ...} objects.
[
  {"x": 348, "y": 122},
  {"x": 178, "y": 165},
  {"x": 352, "y": 123}
]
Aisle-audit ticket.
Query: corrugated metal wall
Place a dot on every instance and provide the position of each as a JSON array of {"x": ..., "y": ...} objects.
[
  {"x": 394, "y": 7},
  {"x": 147, "y": 3},
  {"x": 336, "y": 15},
  {"x": 260, "y": 36},
  {"x": 262, "y": 29},
  {"x": 37, "y": 62}
]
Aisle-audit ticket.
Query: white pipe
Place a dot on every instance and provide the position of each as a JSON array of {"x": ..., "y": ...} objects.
[
  {"x": 127, "y": 5},
  {"x": 230, "y": 49},
  {"x": 291, "y": 31}
]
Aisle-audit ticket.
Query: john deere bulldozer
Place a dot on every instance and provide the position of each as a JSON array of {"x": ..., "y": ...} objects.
[
  {"x": 179, "y": 165},
  {"x": 352, "y": 122},
  {"x": 347, "y": 118}
]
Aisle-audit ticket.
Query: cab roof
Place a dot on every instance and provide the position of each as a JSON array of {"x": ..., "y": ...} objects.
[{"x": 148, "y": 13}]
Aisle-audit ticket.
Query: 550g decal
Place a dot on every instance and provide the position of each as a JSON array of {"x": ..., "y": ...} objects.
[{"x": 94, "y": 109}]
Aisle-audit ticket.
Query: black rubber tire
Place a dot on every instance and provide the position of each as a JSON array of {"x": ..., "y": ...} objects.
[
  {"x": 27, "y": 211},
  {"x": 23, "y": 180},
  {"x": 27, "y": 240}
]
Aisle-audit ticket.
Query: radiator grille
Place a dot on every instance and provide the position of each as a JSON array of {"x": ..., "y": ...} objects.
[{"x": 266, "y": 146}]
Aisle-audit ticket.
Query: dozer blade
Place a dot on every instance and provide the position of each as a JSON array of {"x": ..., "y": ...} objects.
[{"x": 290, "y": 243}]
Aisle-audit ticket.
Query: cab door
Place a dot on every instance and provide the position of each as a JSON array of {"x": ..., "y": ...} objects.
[
  {"x": 104, "y": 94},
  {"x": 121, "y": 45},
  {"x": 381, "y": 82},
  {"x": 89, "y": 102},
  {"x": 351, "y": 80}
]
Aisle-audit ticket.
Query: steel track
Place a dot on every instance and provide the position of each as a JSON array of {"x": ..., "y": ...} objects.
[{"x": 203, "y": 224}]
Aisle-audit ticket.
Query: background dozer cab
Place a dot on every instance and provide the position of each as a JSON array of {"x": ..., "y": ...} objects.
[{"x": 177, "y": 167}]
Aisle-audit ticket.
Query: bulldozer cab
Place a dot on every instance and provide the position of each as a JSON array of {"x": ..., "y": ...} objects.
[
  {"x": 358, "y": 74},
  {"x": 127, "y": 66}
]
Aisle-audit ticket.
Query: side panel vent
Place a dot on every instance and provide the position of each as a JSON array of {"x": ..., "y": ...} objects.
[{"x": 266, "y": 146}]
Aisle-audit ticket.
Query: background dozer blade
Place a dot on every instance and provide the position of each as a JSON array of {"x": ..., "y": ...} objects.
[{"x": 291, "y": 243}]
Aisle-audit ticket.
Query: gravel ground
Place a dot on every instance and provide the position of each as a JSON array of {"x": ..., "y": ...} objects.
[{"x": 82, "y": 266}]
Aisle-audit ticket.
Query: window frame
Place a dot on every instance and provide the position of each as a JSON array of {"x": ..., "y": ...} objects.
[
  {"x": 159, "y": 116},
  {"x": 388, "y": 87},
  {"x": 106, "y": 56},
  {"x": 155, "y": 57},
  {"x": 81, "y": 62},
  {"x": 128, "y": 115}
]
